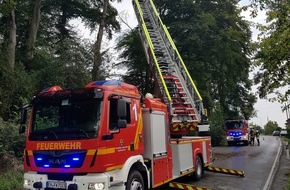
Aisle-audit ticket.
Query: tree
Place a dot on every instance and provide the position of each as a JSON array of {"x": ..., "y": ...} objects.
[
  {"x": 8, "y": 10},
  {"x": 48, "y": 50},
  {"x": 214, "y": 42},
  {"x": 104, "y": 23},
  {"x": 134, "y": 60},
  {"x": 270, "y": 127},
  {"x": 33, "y": 30},
  {"x": 97, "y": 47},
  {"x": 273, "y": 55}
]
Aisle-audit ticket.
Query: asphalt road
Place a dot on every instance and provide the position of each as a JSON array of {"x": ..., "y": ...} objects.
[{"x": 256, "y": 161}]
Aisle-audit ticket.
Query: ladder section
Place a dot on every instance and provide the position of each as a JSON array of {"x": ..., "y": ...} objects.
[
  {"x": 154, "y": 53},
  {"x": 176, "y": 87}
]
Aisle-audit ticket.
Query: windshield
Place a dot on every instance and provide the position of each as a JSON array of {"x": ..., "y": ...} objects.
[
  {"x": 234, "y": 125},
  {"x": 65, "y": 118}
]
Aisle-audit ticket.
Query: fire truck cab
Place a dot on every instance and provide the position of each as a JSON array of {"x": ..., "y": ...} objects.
[{"x": 237, "y": 131}]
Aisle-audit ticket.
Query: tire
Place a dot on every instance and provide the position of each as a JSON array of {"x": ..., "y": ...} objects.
[
  {"x": 135, "y": 181},
  {"x": 197, "y": 175}
]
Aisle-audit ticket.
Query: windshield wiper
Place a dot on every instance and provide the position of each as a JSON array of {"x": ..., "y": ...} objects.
[
  {"x": 84, "y": 132},
  {"x": 52, "y": 132}
]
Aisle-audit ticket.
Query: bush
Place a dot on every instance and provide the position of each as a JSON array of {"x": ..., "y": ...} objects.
[
  {"x": 11, "y": 143},
  {"x": 217, "y": 127},
  {"x": 11, "y": 152},
  {"x": 11, "y": 180}
]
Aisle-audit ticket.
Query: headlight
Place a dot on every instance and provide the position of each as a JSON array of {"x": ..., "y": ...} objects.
[
  {"x": 27, "y": 182},
  {"x": 96, "y": 186}
]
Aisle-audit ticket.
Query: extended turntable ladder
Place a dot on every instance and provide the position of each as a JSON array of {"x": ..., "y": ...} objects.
[{"x": 175, "y": 85}]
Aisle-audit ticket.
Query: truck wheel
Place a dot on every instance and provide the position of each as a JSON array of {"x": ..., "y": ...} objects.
[
  {"x": 198, "y": 169},
  {"x": 135, "y": 181}
]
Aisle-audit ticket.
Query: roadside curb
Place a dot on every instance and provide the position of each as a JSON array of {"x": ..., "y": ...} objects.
[{"x": 274, "y": 168}]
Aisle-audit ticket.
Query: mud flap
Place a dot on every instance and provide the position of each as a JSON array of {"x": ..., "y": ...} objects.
[{"x": 225, "y": 171}]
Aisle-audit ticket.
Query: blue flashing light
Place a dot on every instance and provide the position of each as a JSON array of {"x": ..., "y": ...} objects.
[
  {"x": 74, "y": 160},
  {"x": 235, "y": 134},
  {"x": 107, "y": 83}
]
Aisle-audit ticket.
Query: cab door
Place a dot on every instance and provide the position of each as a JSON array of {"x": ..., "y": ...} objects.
[{"x": 126, "y": 129}]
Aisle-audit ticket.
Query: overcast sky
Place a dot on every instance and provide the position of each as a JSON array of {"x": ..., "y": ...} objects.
[{"x": 265, "y": 110}]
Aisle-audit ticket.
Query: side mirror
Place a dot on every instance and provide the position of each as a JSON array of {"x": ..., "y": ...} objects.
[
  {"x": 23, "y": 119},
  {"x": 23, "y": 116},
  {"x": 122, "y": 123},
  {"x": 21, "y": 128}
]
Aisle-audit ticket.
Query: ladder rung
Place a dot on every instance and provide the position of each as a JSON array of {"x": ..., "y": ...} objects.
[
  {"x": 177, "y": 98},
  {"x": 183, "y": 103},
  {"x": 185, "y": 114},
  {"x": 180, "y": 121},
  {"x": 182, "y": 108}
]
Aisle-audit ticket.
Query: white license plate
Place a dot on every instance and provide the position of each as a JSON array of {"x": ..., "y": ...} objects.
[{"x": 56, "y": 185}]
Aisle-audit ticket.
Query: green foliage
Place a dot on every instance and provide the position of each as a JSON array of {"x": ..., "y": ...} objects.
[
  {"x": 7, "y": 6},
  {"x": 272, "y": 57},
  {"x": 270, "y": 127},
  {"x": 62, "y": 60},
  {"x": 214, "y": 42},
  {"x": 11, "y": 143},
  {"x": 134, "y": 60},
  {"x": 11, "y": 180},
  {"x": 69, "y": 69},
  {"x": 11, "y": 152},
  {"x": 217, "y": 127},
  {"x": 15, "y": 90},
  {"x": 88, "y": 11}
]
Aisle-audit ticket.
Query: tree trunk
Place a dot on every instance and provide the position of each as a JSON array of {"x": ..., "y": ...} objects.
[
  {"x": 12, "y": 41},
  {"x": 97, "y": 45},
  {"x": 33, "y": 30}
]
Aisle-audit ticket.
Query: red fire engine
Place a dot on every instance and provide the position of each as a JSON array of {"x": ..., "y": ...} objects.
[
  {"x": 100, "y": 137},
  {"x": 237, "y": 131},
  {"x": 105, "y": 136}
]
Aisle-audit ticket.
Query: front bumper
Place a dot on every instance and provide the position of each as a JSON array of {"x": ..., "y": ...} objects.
[
  {"x": 240, "y": 138},
  {"x": 94, "y": 181}
]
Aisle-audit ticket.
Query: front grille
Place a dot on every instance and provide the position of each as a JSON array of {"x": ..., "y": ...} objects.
[{"x": 59, "y": 159}]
